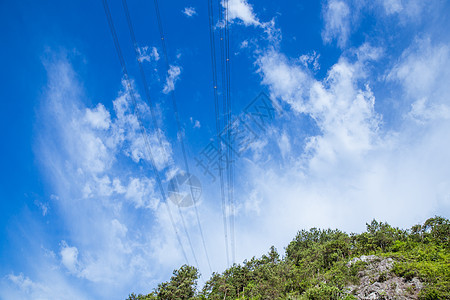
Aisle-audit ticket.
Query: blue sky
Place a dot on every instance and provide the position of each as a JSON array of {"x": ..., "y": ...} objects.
[{"x": 361, "y": 131}]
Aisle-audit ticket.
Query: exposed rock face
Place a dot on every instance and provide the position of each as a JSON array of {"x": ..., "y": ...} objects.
[{"x": 377, "y": 281}]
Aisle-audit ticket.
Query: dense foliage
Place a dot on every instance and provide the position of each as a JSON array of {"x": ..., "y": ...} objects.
[{"x": 315, "y": 266}]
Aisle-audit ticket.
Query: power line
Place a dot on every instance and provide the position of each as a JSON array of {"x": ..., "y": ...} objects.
[
  {"x": 179, "y": 129},
  {"x": 225, "y": 43},
  {"x": 141, "y": 70},
  {"x": 155, "y": 123},
  {"x": 229, "y": 117},
  {"x": 141, "y": 126},
  {"x": 217, "y": 117}
]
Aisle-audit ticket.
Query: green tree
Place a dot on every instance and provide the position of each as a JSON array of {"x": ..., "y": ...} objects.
[
  {"x": 438, "y": 229},
  {"x": 133, "y": 296},
  {"x": 182, "y": 284}
]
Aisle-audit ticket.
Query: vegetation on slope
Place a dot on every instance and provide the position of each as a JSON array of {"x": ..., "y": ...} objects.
[{"x": 316, "y": 266}]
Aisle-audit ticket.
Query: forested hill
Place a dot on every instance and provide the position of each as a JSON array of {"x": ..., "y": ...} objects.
[{"x": 381, "y": 263}]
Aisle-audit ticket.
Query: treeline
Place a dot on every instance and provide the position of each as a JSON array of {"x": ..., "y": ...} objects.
[{"x": 315, "y": 266}]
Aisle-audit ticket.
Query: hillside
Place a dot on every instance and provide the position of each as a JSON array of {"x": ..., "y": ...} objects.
[{"x": 381, "y": 263}]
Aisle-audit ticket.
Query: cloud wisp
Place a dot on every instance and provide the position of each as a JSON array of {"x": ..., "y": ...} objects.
[
  {"x": 173, "y": 74},
  {"x": 189, "y": 11},
  {"x": 95, "y": 161},
  {"x": 148, "y": 55}
]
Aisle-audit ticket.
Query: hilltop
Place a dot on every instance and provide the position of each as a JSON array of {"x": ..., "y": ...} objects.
[{"x": 381, "y": 263}]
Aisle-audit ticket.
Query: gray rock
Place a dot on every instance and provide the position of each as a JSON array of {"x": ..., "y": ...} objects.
[{"x": 378, "y": 282}]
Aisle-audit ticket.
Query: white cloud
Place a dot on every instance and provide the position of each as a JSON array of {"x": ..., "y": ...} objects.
[
  {"x": 88, "y": 155},
  {"x": 69, "y": 257},
  {"x": 343, "y": 112},
  {"x": 258, "y": 148},
  {"x": 241, "y": 10},
  {"x": 344, "y": 17},
  {"x": 337, "y": 22},
  {"x": 96, "y": 153},
  {"x": 422, "y": 69},
  {"x": 423, "y": 111},
  {"x": 43, "y": 206},
  {"x": 253, "y": 204},
  {"x": 24, "y": 283},
  {"x": 22, "y": 287},
  {"x": 118, "y": 187},
  {"x": 195, "y": 123},
  {"x": 141, "y": 193},
  {"x": 367, "y": 52},
  {"x": 98, "y": 117},
  {"x": 126, "y": 132},
  {"x": 155, "y": 54},
  {"x": 311, "y": 60},
  {"x": 288, "y": 81},
  {"x": 408, "y": 11},
  {"x": 145, "y": 55},
  {"x": 284, "y": 145},
  {"x": 392, "y": 6},
  {"x": 173, "y": 75},
  {"x": 189, "y": 11}
]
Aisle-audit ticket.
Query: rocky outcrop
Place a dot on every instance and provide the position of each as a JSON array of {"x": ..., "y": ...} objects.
[{"x": 378, "y": 282}]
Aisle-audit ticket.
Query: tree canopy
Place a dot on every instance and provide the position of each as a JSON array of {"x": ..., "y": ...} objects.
[{"x": 315, "y": 265}]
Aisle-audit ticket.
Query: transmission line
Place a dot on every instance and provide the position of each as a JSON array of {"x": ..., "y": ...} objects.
[
  {"x": 225, "y": 43},
  {"x": 179, "y": 129},
  {"x": 141, "y": 70},
  {"x": 155, "y": 124},
  {"x": 229, "y": 138},
  {"x": 217, "y": 117},
  {"x": 140, "y": 121}
]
